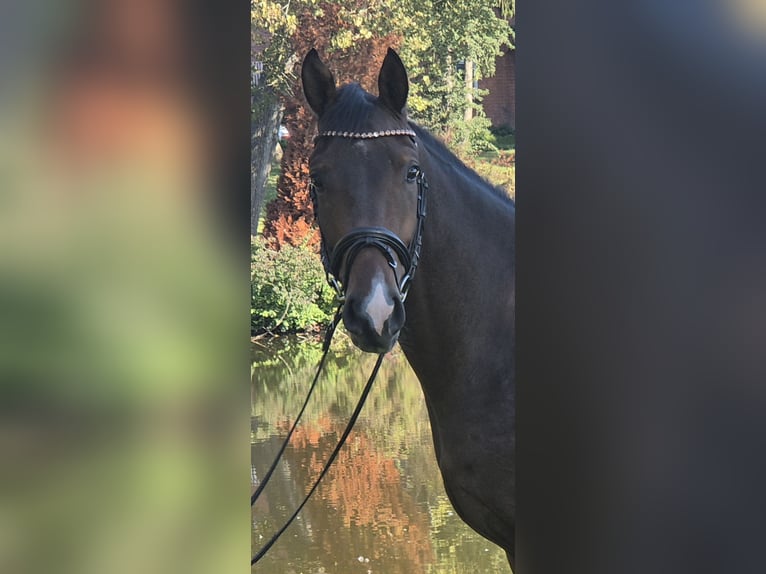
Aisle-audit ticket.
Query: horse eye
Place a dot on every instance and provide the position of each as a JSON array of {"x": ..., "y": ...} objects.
[
  {"x": 315, "y": 182},
  {"x": 412, "y": 173}
]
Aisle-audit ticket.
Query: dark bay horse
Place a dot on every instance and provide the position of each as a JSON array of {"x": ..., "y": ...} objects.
[{"x": 382, "y": 186}]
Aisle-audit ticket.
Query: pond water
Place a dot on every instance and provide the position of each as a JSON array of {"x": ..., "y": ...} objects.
[{"x": 381, "y": 509}]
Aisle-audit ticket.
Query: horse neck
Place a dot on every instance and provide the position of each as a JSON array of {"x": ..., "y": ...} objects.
[{"x": 461, "y": 300}]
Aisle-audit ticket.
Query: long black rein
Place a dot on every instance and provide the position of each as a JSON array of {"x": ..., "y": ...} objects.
[
  {"x": 345, "y": 251},
  {"x": 325, "y": 349},
  {"x": 341, "y": 442}
]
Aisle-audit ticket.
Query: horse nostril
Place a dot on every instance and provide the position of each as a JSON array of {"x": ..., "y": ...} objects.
[
  {"x": 396, "y": 320},
  {"x": 354, "y": 317}
]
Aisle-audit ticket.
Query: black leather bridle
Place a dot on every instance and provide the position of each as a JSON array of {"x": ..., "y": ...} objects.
[{"x": 385, "y": 240}]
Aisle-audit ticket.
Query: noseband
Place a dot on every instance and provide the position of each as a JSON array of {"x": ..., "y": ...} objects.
[{"x": 385, "y": 240}]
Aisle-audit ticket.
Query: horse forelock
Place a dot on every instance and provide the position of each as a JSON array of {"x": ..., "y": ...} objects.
[{"x": 355, "y": 110}]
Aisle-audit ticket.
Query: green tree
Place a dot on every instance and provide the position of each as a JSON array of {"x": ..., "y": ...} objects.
[
  {"x": 459, "y": 48},
  {"x": 271, "y": 24}
]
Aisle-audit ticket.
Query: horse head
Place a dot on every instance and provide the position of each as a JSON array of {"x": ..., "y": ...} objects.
[{"x": 368, "y": 191}]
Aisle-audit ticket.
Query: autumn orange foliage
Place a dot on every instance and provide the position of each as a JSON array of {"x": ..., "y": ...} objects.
[
  {"x": 289, "y": 218},
  {"x": 365, "y": 491}
]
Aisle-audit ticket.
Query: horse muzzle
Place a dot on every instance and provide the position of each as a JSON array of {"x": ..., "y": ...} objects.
[{"x": 375, "y": 320}]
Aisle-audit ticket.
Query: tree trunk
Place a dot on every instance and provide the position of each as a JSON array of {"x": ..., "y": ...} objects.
[
  {"x": 264, "y": 134},
  {"x": 468, "y": 91}
]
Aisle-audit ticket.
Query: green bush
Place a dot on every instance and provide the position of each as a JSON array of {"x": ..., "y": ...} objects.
[
  {"x": 288, "y": 290},
  {"x": 502, "y": 131},
  {"x": 473, "y": 137},
  {"x": 505, "y": 137}
]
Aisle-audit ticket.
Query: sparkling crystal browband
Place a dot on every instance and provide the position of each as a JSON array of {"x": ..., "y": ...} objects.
[{"x": 366, "y": 135}]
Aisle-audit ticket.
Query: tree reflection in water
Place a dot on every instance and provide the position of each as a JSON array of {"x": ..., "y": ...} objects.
[{"x": 382, "y": 507}]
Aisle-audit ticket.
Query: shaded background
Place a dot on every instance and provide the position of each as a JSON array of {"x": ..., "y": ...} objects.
[
  {"x": 641, "y": 309},
  {"x": 124, "y": 286}
]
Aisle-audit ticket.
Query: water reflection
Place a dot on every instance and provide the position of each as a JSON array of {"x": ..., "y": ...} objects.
[{"x": 382, "y": 507}]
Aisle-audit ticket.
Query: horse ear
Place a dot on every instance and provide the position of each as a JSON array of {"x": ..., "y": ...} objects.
[
  {"x": 318, "y": 83},
  {"x": 393, "y": 86}
]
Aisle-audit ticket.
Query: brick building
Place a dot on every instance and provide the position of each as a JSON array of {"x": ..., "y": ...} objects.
[{"x": 500, "y": 103}]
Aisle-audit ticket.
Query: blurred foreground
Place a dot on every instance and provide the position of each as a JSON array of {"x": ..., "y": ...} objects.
[{"x": 123, "y": 309}]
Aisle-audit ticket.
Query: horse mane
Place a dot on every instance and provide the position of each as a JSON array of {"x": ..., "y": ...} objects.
[
  {"x": 355, "y": 110},
  {"x": 440, "y": 151}
]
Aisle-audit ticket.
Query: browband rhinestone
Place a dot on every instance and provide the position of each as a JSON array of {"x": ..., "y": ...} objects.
[{"x": 366, "y": 135}]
